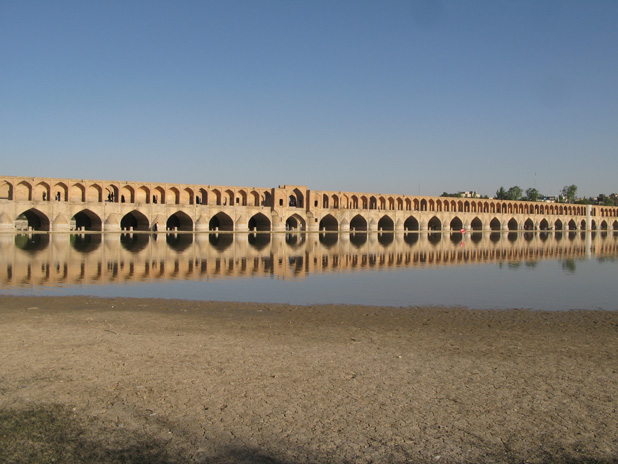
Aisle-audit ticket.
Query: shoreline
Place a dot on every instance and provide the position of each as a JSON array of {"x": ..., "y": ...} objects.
[{"x": 165, "y": 381}]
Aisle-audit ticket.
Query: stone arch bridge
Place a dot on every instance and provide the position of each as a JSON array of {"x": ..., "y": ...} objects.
[{"x": 62, "y": 205}]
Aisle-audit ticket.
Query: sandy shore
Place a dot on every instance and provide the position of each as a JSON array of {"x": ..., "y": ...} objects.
[{"x": 162, "y": 381}]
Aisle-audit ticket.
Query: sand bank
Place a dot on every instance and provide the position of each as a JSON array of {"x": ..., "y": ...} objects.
[{"x": 165, "y": 381}]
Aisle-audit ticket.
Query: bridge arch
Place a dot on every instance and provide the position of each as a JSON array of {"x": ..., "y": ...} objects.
[
  {"x": 495, "y": 224},
  {"x": 572, "y": 225},
  {"x": 476, "y": 224},
  {"x": 259, "y": 222},
  {"x": 528, "y": 225},
  {"x": 411, "y": 223},
  {"x": 512, "y": 224},
  {"x": 221, "y": 221},
  {"x": 135, "y": 220},
  {"x": 179, "y": 221},
  {"x": 359, "y": 223},
  {"x": 434, "y": 224},
  {"x": 558, "y": 225},
  {"x": 36, "y": 219},
  {"x": 386, "y": 223},
  {"x": 543, "y": 225},
  {"x": 295, "y": 222},
  {"x": 456, "y": 223},
  {"x": 87, "y": 220},
  {"x": 329, "y": 223}
]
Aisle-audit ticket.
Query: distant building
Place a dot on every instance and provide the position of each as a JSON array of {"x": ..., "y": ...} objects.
[{"x": 469, "y": 195}]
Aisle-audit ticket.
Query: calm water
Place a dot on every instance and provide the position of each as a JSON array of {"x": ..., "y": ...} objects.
[{"x": 553, "y": 271}]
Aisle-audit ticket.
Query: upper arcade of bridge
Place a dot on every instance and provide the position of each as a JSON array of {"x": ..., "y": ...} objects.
[{"x": 60, "y": 204}]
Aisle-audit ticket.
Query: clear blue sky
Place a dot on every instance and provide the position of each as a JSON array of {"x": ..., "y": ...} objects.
[{"x": 376, "y": 96}]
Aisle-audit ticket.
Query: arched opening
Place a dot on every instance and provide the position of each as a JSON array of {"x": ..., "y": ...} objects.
[
  {"x": 495, "y": 224},
  {"x": 411, "y": 224},
  {"x": 358, "y": 223},
  {"x": 36, "y": 220},
  {"x": 544, "y": 225},
  {"x": 134, "y": 221},
  {"x": 476, "y": 224},
  {"x": 127, "y": 194},
  {"x": 456, "y": 224},
  {"x": 324, "y": 201},
  {"x": 373, "y": 203},
  {"x": 295, "y": 222},
  {"x": 513, "y": 224},
  {"x": 386, "y": 223},
  {"x": 292, "y": 201},
  {"x": 77, "y": 192},
  {"x": 228, "y": 198},
  {"x": 603, "y": 225},
  {"x": 41, "y": 192},
  {"x": 6, "y": 191},
  {"x": 179, "y": 221},
  {"x": 260, "y": 223},
  {"x": 112, "y": 194},
  {"x": 87, "y": 220},
  {"x": 572, "y": 225},
  {"x": 23, "y": 192},
  {"x": 221, "y": 221},
  {"x": 329, "y": 223},
  {"x": 558, "y": 225},
  {"x": 528, "y": 225},
  {"x": 94, "y": 193},
  {"x": 299, "y": 198},
  {"x": 434, "y": 224}
]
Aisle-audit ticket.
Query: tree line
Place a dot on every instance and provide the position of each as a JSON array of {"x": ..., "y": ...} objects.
[{"x": 568, "y": 194}]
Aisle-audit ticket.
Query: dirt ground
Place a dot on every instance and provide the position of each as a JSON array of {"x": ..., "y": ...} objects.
[{"x": 166, "y": 381}]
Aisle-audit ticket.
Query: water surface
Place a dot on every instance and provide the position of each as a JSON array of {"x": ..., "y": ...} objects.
[{"x": 540, "y": 270}]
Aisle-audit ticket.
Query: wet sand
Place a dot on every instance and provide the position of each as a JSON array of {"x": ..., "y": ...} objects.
[{"x": 166, "y": 381}]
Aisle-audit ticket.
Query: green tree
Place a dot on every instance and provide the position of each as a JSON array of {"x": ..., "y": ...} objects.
[
  {"x": 501, "y": 194},
  {"x": 569, "y": 192},
  {"x": 532, "y": 194},
  {"x": 514, "y": 193}
]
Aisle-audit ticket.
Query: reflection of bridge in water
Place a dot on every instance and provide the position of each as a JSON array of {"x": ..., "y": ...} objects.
[{"x": 61, "y": 259}]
